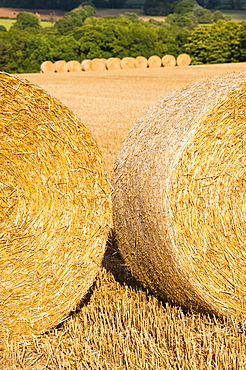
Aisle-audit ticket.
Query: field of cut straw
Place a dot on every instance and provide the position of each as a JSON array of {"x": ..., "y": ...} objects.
[{"x": 120, "y": 326}]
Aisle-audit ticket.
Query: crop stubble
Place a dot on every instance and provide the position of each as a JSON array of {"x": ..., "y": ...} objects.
[{"x": 121, "y": 327}]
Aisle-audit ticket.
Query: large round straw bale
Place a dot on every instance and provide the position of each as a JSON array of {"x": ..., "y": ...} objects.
[
  {"x": 61, "y": 66},
  {"x": 127, "y": 63},
  {"x": 54, "y": 209},
  {"x": 179, "y": 200},
  {"x": 47, "y": 67},
  {"x": 86, "y": 65},
  {"x": 113, "y": 63},
  {"x": 74, "y": 66},
  {"x": 183, "y": 60},
  {"x": 141, "y": 62},
  {"x": 154, "y": 61},
  {"x": 168, "y": 61},
  {"x": 98, "y": 64}
]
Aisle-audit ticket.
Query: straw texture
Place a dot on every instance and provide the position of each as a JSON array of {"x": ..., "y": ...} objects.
[
  {"x": 54, "y": 209},
  {"x": 141, "y": 62},
  {"x": 86, "y": 65},
  {"x": 168, "y": 61},
  {"x": 183, "y": 60},
  {"x": 74, "y": 66},
  {"x": 98, "y": 64},
  {"x": 47, "y": 67},
  {"x": 154, "y": 61},
  {"x": 113, "y": 63},
  {"x": 179, "y": 201},
  {"x": 127, "y": 63},
  {"x": 61, "y": 66}
]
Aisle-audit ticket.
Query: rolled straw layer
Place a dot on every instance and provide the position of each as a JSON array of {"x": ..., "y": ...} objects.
[
  {"x": 74, "y": 66},
  {"x": 179, "y": 200},
  {"x": 127, "y": 63},
  {"x": 54, "y": 209},
  {"x": 47, "y": 67},
  {"x": 61, "y": 66},
  {"x": 183, "y": 60},
  {"x": 98, "y": 64},
  {"x": 113, "y": 63},
  {"x": 168, "y": 61},
  {"x": 141, "y": 62},
  {"x": 86, "y": 65},
  {"x": 154, "y": 61}
]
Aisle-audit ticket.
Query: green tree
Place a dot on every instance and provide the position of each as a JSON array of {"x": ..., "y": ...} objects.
[
  {"x": 74, "y": 18},
  {"x": 216, "y": 43},
  {"x": 187, "y": 20},
  {"x": 26, "y": 20}
]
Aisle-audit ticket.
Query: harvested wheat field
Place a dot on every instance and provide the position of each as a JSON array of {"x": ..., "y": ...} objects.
[{"x": 119, "y": 325}]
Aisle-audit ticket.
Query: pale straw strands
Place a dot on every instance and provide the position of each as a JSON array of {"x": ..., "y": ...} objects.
[
  {"x": 179, "y": 199},
  {"x": 54, "y": 210}
]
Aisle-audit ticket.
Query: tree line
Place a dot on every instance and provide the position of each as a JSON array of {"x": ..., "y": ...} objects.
[{"x": 80, "y": 35}]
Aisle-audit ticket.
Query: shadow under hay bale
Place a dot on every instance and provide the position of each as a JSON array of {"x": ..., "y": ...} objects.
[
  {"x": 114, "y": 263},
  {"x": 61, "y": 66},
  {"x": 141, "y": 62},
  {"x": 55, "y": 209},
  {"x": 127, "y": 63},
  {"x": 113, "y": 63},
  {"x": 179, "y": 199},
  {"x": 154, "y": 61},
  {"x": 74, "y": 66},
  {"x": 183, "y": 60},
  {"x": 86, "y": 65},
  {"x": 168, "y": 61},
  {"x": 47, "y": 67}
]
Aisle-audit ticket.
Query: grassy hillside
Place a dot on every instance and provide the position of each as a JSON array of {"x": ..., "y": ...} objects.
[{"x": 8, "y": 22}]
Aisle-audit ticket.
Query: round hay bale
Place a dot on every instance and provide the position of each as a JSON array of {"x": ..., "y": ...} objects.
[
  {"x": 61, "y": 66},
  {"x": 54, "y": 209},
  {"x": 127, "y": 63},
  {"x": 141, "y": 62},
  {"x": 154, "y": 61},
  {"x": 113, "y": 63},
  {"x": 179, "y": 207},
  {"x": 168, "y": 61},
  {"x": 74, "y": 66},
  {"x": 98, "y": 64},
  {"x": 183, "y": 60},
  {"x": 47, "y": 67},
  {"x": 86, "y": 65}
]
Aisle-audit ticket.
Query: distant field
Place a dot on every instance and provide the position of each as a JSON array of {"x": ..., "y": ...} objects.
[
  {"x": 236, "y": 15},
  {"x": 7, "y": 23}
]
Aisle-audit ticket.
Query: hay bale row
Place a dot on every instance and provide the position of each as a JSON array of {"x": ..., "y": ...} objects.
[
  {"x": 100, "y": 64},
  {"x": 54, "y": 210},
  {"x": 179, "y": 197}
]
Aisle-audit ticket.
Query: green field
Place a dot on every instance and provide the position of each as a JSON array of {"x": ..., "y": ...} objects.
[{"x": 8, "y": 22}]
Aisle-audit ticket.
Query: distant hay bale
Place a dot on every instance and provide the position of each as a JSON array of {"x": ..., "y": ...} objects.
[
  {"x": 168, "y": 61},
  {"x": 86, "y": 65},
  {"x": 61, "y": 66},
  {"x": 141, "y": 62},
  {"x": 127, "y": 63},
  {"x": 154, "y": 61},
  {"x": 54, "y": 210},
  {"x": 74, "y": 66},
  {"x": 113, "y": 63},
  {"x": 98, "y": 64},
  {"x": 183, "y": 60},
  {"x": 179, "y": 206},
  {"x": 47, "y": 67}
]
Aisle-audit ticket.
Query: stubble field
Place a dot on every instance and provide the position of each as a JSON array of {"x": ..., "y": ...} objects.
[{"x": 120, "y": 325}]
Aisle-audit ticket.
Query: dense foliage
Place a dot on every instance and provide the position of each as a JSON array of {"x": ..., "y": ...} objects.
[{"x": 79, "y": 35}]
